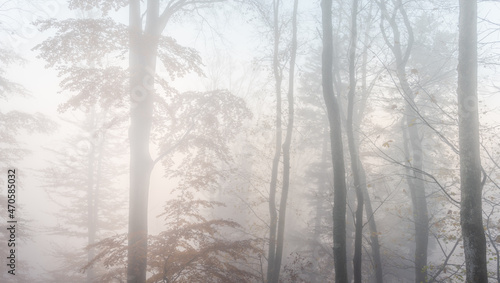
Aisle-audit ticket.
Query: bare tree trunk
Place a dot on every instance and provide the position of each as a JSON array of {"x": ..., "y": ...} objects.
[
  {"x": 353, "y": 149},
  {"x": 415, "y": 179},
  {"x": 419, "y": 203},
  {"x": 143, "y": 50},
  {"x": 98, "y": 144},
  {"x": 470, "y": 163},
  {"x": 91, "y": 202},
  {"x": 372, "y": 225},
  {"x": 370, "y": 215},
  {"x": 277, "y": 154},
  {"x": 339, "y": 184},
  {"x": 414, "y": 153},
  {"x": 286, "y": 152},
  {"x": 322, "y": 191}
]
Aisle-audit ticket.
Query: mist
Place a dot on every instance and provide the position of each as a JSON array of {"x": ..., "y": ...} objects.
[{"x": 249, "y": 141}]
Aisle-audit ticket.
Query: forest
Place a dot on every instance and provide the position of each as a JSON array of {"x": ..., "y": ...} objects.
[{"x": 260, "y": 141}]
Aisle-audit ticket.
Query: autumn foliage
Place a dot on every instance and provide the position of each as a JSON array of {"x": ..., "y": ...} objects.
[{"x": 192, "y": 248}]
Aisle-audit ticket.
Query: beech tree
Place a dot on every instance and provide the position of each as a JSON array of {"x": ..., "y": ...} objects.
[
  {"x": 471, "y": 211},
  {"x": 145, "y": 45},
  {"x": 274, "y": 16},
  {"x": 276, "y": 265},
  {"x": 337, "y": 150},
  {"x": 388, "y": 75},
  {"x": 278, "y": 79},
  {"x": 358, "y": 175},
  {"x": 191, "y": 249},
  {"x": 411, "y": 136}
]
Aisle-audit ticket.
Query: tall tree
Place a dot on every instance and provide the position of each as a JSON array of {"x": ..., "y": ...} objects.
[
  {"x": 315, "y": 141},
  {"x": 276, "y": 23},
  {"x": 366, "y": 89},
  {"x": 273, "y": 212},
  {"x": 412, "y": 139},
  {"x": 337, "y": 150},
  {"x": 359, "y": 177},
  {"x": 286, "y": 152},
  {"x": 145, "y": 45},
  {"x": 471, "y": 211}
]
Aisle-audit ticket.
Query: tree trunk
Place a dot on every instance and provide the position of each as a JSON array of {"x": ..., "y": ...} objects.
[
  {"x": 339, "y": 184},
  {"x": 414, "y": 154},
  {"x": 415, "y": 179},
  {"x": 277, "y": 154},
  {"x": 372, "y": 225},
  {"x": 91, "y": 201},
  {"x": 417, "y": 192},
  {"x": 353, "y": 149},
  {"x": 370, "y": 215},
  {"x": 357, "y": 119},
  {"x": 320, "y": 199},
  {"x": 470, "y": 162},
  {"x": 142, "y": 62},
  {"x": 286, "y": 153},
  {"x": 98, "y": 144}
]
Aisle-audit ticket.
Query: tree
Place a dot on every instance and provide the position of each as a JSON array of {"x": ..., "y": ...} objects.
[
  {"x": 91, "y": 205},
  {"x": 273, "y": 213},
  {"x": 191, "y": 249},
  {"x": 276, "y": 22},
  {"x": 286, "y": 152},
  {"x": 471, "y": 211},
  {"x": 412, "y": 139},
  {"x": 337, "y": 151},
  {"x": 314, "y": 142},
  {"x": 145, "y": 44},
  {"x": 353, "y": 150},
  {"x": 366, "y": 89}
]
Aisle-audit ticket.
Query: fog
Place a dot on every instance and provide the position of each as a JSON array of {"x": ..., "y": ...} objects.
[{"x": 249, "y": 141}]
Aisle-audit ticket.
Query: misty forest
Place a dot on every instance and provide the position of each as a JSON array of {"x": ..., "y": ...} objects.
[{"x": 250, "y": 141}]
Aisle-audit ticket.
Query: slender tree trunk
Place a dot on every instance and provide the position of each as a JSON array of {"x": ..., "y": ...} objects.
[
  {"x": 372, "y": 225},
  {"x": 142, "y": 61},
  {"x": 322, "y": 190},
  {"x": 339, "y": 184},
  {"x": 417, "y": 193},
  {"x": 277, "y": 154},
  {"x": 91, "y": 202},
  {"x": 414, "y": 153},
  {"x": 470, "y": 163},
  {"x": 416, "y": 184},
  {"x": 353, "y": 148},
  {"x": 99, "y": 145},
  {"x": 370, "y": 215},
  {"x": 286, "y": 152}
]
